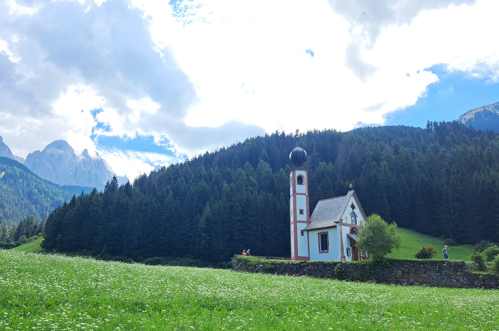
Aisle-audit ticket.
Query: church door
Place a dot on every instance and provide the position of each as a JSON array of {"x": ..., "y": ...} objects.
[{"x": 355, "y": 253}]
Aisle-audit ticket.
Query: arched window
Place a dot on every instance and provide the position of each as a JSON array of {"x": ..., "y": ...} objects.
[
  {"x": 349, "y": 252},
  {"x": 353, "y": 217},
  {"x": 299, "y": 180}
]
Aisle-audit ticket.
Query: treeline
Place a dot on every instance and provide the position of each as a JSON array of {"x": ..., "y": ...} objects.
[
  {"x": 18, "y": 234},
  {"x": 22, "y": 193},
  {"x": 442, "y": 180}
]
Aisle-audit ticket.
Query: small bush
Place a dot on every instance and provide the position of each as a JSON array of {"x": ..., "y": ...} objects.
[
  {"x": 450, "y": 242},
  {"x": 478, "y": 259},
  {"x": 495, "y": 265},
  {"x": 339, "y": 271},
  {"x": 22, "y": 240},
  {"x": 425, "y": 252},
  {"x": 31, "y": 239},
  {"x": 490, "y": 253},
  {"x": 482, "y": 245}
]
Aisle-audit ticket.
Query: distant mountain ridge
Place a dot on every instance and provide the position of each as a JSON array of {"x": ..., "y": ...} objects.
[
  {"x": 482, "y": 118},
  {"x": 59, "y": 164},
  {"x": 23, "y": 193},
  {"x": 5, "y": 150}
]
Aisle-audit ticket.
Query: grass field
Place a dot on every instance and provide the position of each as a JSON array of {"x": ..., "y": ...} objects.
[
  {"x": 32, "y": 247},
  {"x": 412, "y": 240},
  {"x": 55, "y": 292}
]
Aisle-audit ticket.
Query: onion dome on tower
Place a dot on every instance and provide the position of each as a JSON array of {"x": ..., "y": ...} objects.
[{"x": 298, "y": 156}]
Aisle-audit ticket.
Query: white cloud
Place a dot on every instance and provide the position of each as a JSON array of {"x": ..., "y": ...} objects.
[
  {"x": 133, "y": 163},
  {"x": 208, "y": 73},
  {"x": 74, "y": 108},
  {"x": 249, "y": 63}
]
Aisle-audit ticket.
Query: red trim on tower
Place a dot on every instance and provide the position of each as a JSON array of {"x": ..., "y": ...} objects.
[{"x": 294, "y": 215}]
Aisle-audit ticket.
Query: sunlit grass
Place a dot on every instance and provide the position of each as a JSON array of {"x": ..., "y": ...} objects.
[
  {"x": 412, "y": 240},
  {"x": 54, "y": 292},
  {"x": 32, "y": 247}
]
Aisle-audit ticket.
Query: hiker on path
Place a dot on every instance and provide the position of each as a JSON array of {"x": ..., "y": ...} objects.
[
  {"x": 446, "y": 256},
  {"x": 248, "y": 252},
  {"x": 244, "y": 252}
]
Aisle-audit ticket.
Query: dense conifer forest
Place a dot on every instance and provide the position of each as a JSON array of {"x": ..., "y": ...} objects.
[
  {"x": 442, "y": 180},
  {"x": 24, "y": 195}
]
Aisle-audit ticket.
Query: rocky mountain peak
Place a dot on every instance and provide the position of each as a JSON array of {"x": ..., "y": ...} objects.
[
  {"x": 482, "y": 118},
  {"x": 61, "y": 145},
  {"x": 59, "y": 164},
  {"x": 5, "y": 150}
]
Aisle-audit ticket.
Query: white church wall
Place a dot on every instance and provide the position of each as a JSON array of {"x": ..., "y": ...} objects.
[
  {"x": 301, "y": 188},
  {"x": 346, "y": 243},
  {"x": 301, "y": 203},
  {"x": 334, "y": 247},
  {"x": 302, "y": 240},
  {"x": 346, "y": 215}
]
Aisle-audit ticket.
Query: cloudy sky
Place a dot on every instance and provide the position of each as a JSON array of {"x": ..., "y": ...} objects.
[{"x": 146, "y": 82}]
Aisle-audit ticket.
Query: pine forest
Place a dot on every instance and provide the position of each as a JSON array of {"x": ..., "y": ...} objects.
[{"x": 442, "y": 180}]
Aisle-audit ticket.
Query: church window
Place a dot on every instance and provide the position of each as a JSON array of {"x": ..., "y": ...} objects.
[
  {"x": 302, "y": 212},
  {"x": 302, "y": 233},
  {"x": 349, "y": 252},
  {"x": 323, "y": 242},
  {"x": 353, "y": 217},
  {"x": 299, "y": 180}
]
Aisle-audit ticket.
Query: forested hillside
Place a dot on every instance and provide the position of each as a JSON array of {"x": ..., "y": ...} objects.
[
  {"x": 442, "y": 180},
  {"x": 22, "y": 193}
]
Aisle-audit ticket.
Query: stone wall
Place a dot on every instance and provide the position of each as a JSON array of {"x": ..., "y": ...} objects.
[{"x": 401, "y": 272}]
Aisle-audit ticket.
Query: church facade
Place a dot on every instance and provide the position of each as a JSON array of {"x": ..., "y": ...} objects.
[{"x": 331, "y": 233}]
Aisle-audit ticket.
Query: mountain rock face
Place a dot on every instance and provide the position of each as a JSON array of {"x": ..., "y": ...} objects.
[
  {"x": 59, "y": 164},
  {"x": 482, "y": 118},
  {"x": 5, "y": 150},
  {"x": 19, "y": 159}
]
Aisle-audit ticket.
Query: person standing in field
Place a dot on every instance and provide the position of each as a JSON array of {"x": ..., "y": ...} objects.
[
  {"x": 244, "y": 252},
  {"x": 446, "y": 256}
]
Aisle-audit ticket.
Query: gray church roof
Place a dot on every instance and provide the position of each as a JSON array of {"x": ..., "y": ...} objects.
[{"x": 328, "y": 212}]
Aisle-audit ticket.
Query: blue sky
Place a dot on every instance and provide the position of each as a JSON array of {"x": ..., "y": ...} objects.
[
  {"x": 151, "y": 82},
  {"x": 452, "y": 96}
]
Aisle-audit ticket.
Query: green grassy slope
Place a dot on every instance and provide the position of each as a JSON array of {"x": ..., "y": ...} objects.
[
  {"x": 412, "y": 240},
  {"x": 59, "y": 292},
  {"x": 32, "y": 247}
]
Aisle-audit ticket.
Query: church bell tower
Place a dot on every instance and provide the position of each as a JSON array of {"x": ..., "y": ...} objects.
[{"x": 298, "y": 205}]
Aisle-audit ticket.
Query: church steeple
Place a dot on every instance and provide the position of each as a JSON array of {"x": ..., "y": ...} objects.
[{"x": 298, "y": 205}]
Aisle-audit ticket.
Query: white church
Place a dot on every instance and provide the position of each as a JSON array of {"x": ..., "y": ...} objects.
[{"x": 330, "y": 234}]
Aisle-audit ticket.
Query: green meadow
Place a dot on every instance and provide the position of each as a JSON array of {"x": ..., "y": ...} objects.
[
  {"x": 412, "y": 240},
  {"x": 56, "y": 292},
  {"x": 32, "y": 247}
]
